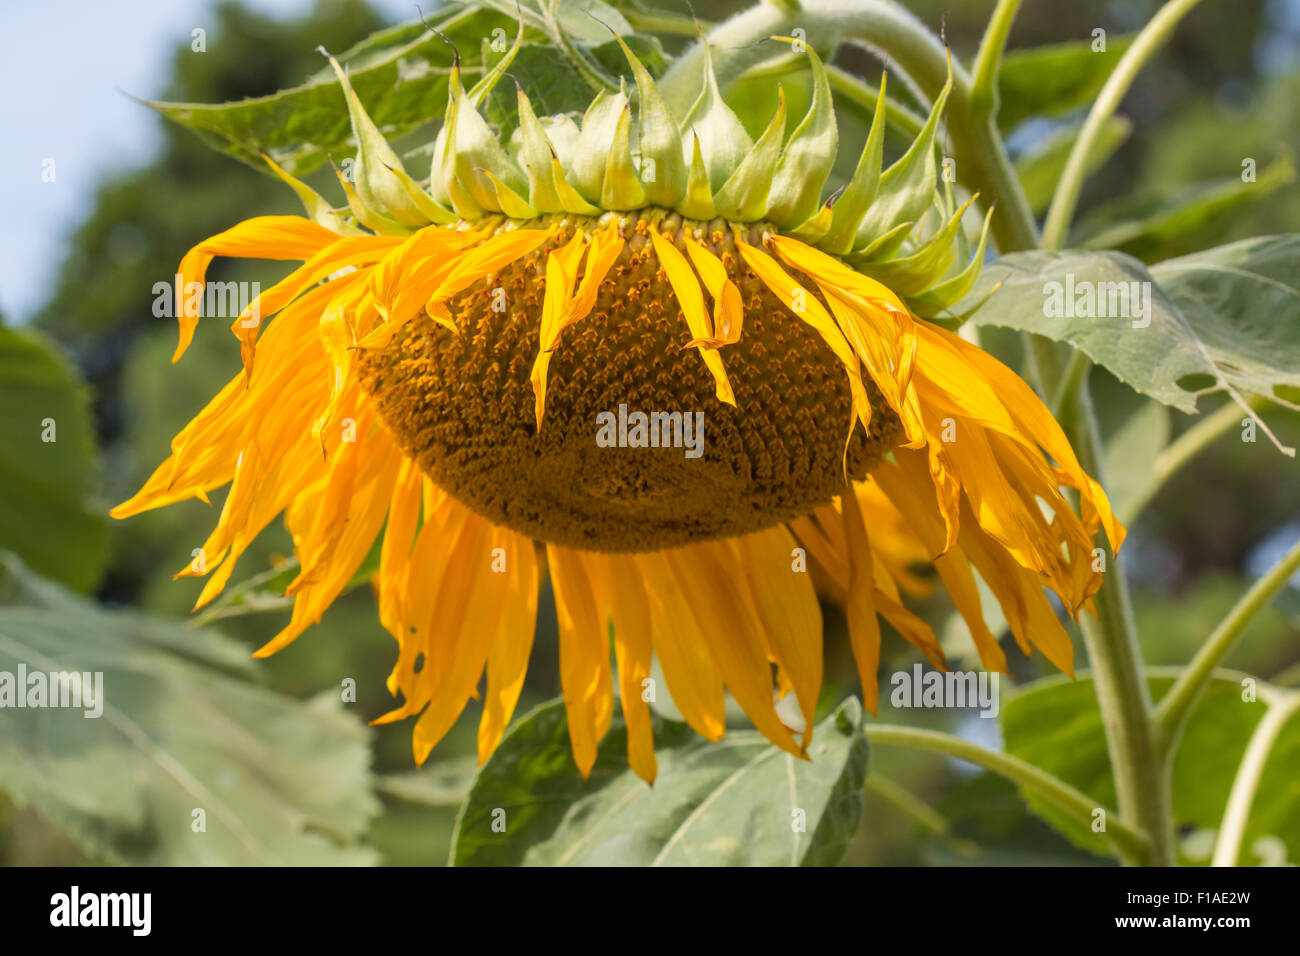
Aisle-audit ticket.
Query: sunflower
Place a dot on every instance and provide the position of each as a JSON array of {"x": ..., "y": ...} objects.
[{"x": 433, "y": 381}]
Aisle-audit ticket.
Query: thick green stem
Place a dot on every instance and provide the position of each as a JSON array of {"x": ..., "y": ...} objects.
[
  {"x": 1151, "y": 38},
  {"x": 1130, "y": 844},
  {"x": 1140, "y": 760},
  {"x": 1182, "y": 697},
  {"x": 1143, "y": 780}
]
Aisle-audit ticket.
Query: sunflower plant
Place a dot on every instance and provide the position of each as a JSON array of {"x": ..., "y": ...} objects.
[{"x": 642, "y": 341}]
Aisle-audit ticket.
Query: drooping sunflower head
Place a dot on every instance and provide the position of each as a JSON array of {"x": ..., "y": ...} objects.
[{"x": 652, "y": 345}]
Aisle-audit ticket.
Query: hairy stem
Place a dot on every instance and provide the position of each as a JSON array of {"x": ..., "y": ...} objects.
[
  {"x": 1182, "y": 697},
  {"x": 1148, "y": 42},
  {"x": 1127, "y": 841},
  {"x": 1143, "y": 780},
  {"x": 984, "y": 89}
]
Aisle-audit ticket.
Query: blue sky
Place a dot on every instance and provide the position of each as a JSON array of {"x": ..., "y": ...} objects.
[{"x": 63, "y": 67}]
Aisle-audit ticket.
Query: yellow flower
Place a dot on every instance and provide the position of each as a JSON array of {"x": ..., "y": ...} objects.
[{"x": 439, "y": 378}]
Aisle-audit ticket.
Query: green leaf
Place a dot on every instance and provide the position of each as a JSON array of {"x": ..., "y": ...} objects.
[
  {"x": 1227, "y": 318},
  {"x": 1055, "y": 724},
  {"x": 1040, "y": 169},
  {"x": 554, "y": 86},
  {"x": 279, "y": 781},
  {"x": 400, "y": 75},
  {"x": 49, "y": 467},
  {"x": 1151, "y": 360},
  {"x": 989, "y": 825},
  {"x": 734, "y": 802},
  {"x": 583, "y": 21},
  {"x": 1053, "y": 80},
  {"x": 440, "y": 783},
  {"x": 1243, "y": 302},
  {"x": 1153, "y": 230}
]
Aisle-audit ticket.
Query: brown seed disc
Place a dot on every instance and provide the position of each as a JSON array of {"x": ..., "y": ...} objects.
[{"x": 461, "y": 404}]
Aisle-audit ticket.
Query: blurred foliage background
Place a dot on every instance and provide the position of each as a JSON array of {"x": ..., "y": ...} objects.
[{"x": 1228, "y": 78}]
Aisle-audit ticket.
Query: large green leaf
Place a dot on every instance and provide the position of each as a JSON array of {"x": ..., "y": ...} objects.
[
  {"x": 735, "y": 802},
  {"x": 1053, "y": 80},
  {"x": 1015, "y": 294},
  {"x": 1055, "y": 724},
  {"x": 279, "y": 781},
  {"x": 401, "y": 76},
  {"x": 1227, "y": 318},
  {"x": 49, "y": 467}
]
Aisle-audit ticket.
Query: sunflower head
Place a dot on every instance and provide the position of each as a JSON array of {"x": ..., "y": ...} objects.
[
  {"x": 655, "y": 195},
  {"x": 441, "y": 366}
]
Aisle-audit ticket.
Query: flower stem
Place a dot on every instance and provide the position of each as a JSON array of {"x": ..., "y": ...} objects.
[
  {"x": 590, "y": 71},
  {"x": 1071, "y": 383},
  {"x": 1183, "y": 449},
  {"x": 645, "y": 20},
  {"x": 1151, "y": 38},
  {"x": 1127, "y": 841},
  {"x": 984, "y": 90},
  {"x": 1143, "y": 780},
  {"x": 908, "y": 804},
  {"x": 1182, "y": 697},
  {"x": 1244, "y": 787}
]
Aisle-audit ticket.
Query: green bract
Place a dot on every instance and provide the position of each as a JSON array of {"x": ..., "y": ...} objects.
[{"x": 631, "y": 152}]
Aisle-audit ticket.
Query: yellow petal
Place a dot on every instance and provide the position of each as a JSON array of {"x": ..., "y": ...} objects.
[
  {"x": 508, "y": 659},
  {"x": 470, "y": 612},
  {"x": 693, "y": 679},
  {"x": 860, "y": 611},
  {"x": 561, "y": 273},
  {"x": 732, "y": 632},
  {"x": 367, "y": 510},
  {"x": 584, "y": 656},
  {"x": 787, "y": 607},
  {"x": 262, "y": 237},
  {"x": 728, "y": 312},
  {"x": 689, "y": 297},
  {"x": 803, "y": 305},
  {"x": 624, "y": 603}
]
